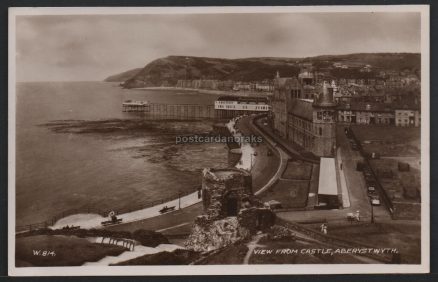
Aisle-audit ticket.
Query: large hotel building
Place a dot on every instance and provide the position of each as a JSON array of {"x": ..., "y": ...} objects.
[{"x": 306, "y": 120}]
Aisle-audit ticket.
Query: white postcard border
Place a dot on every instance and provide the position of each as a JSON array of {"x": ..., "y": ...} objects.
[{"x": 225, "y": 269}]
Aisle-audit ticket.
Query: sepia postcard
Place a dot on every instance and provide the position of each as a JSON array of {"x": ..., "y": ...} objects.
[{"x": 218, "y": 140}]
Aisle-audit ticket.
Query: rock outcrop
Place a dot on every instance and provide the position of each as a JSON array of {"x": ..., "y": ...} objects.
[{"x": 211, "y": 235}]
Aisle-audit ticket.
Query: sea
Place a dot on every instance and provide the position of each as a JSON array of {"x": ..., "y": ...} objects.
[{"x": 76, "y": 148}]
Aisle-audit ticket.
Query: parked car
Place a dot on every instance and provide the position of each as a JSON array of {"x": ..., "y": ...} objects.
[
  {"x": 375, "y": 201},
  {"x": 354, "y": 147},
  {"x": 372, "y": 190}
]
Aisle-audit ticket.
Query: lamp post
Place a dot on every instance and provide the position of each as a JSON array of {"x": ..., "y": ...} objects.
[
  {"x": 372, "y": 212},
  {"x": 179, "y": 200}
]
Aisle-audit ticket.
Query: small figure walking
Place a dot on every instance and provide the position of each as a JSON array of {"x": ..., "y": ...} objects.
[
  {"x": 358, "y": 215},
  {"x": 324, "y": 228}
]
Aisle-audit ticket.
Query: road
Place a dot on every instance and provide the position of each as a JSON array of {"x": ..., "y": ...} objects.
[{"x": 266, "y": 169}]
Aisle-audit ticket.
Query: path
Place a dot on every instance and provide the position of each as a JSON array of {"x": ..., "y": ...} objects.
[
  {"x": 251, "y": 246},
  {"x": 344, "y": 189},
  {"x": 85, "y": 221}
]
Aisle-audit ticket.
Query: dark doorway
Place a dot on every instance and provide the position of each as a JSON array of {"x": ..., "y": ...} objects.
[
  {"x": 232, "y": 205},
  {"x": 372, "y": 120}
]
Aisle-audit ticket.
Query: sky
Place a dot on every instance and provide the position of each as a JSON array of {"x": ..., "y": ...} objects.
[{"x": 92, "y": 47}]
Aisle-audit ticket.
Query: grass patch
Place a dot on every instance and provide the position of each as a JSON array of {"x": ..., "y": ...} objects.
[
  {"x": 147, "y": 238},
  {"x": 233, "y": 254},
  {"x": 403, "y": 236},
  {"x": 404, "y": 185},
  {"x": 389, "y": 140},
  {"x": 297, "y": 170},
  {"x": 290, "y": 193},
  {"x": 177, "y": 257},
  {"x": 67, "y": 250}
]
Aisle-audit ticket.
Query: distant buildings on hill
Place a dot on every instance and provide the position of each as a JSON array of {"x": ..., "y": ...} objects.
[{"x": 212, "y": 84}]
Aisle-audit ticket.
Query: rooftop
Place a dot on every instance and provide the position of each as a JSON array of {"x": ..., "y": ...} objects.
[
  {"x": 377, "y": 107},
  {"x": 327, "y": 177},
  {"x": 243, "y": 99},
  {"x": 301, "y": 108}
]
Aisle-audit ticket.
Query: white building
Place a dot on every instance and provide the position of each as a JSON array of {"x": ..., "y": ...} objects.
[{"x": 230, "y": 106}]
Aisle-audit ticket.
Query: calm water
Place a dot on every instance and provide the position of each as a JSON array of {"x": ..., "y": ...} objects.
[{"x": 60, "y": 171}]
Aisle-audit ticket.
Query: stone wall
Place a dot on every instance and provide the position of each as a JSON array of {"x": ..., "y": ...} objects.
[
  {"x": 225, "y": 191},
  {"x": 256, "y": 219},
  {"x": 231, "y": 212}
]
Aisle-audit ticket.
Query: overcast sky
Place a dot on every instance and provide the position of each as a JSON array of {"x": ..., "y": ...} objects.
[{"x": 92, "y": 47}]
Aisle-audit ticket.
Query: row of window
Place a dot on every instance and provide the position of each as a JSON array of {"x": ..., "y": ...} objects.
[
  {"x": 306, "y": 125},
  {"x": 405, "y": 113},
  {"x": 233, "y": 107}
]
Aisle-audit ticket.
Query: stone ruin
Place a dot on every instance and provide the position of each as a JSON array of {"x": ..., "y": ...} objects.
[{"x": 231, "y": 211}]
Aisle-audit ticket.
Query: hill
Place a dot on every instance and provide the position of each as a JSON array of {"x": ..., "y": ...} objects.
[
  {"x": 123, "y": 76},
  {"x": 168, "y": 70}
]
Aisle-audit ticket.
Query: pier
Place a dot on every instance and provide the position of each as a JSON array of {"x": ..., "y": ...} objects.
[
  {"x": 135, "y": 106},
  {"x": 182, "y": 110}
]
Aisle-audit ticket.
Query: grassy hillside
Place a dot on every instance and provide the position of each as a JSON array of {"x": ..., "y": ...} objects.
[
  {"x": 168, "y": 70},
  {"x": 61, "y": 251}
]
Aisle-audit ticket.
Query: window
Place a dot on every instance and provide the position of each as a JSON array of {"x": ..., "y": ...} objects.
[
  {"x": 320, "y": 131},
  {"x": 319, "y": 115}
]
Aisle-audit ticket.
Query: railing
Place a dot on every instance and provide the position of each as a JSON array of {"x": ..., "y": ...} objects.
[
  {"x": 126, "y": 243},
  {"x": 92, "y": 210}
]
